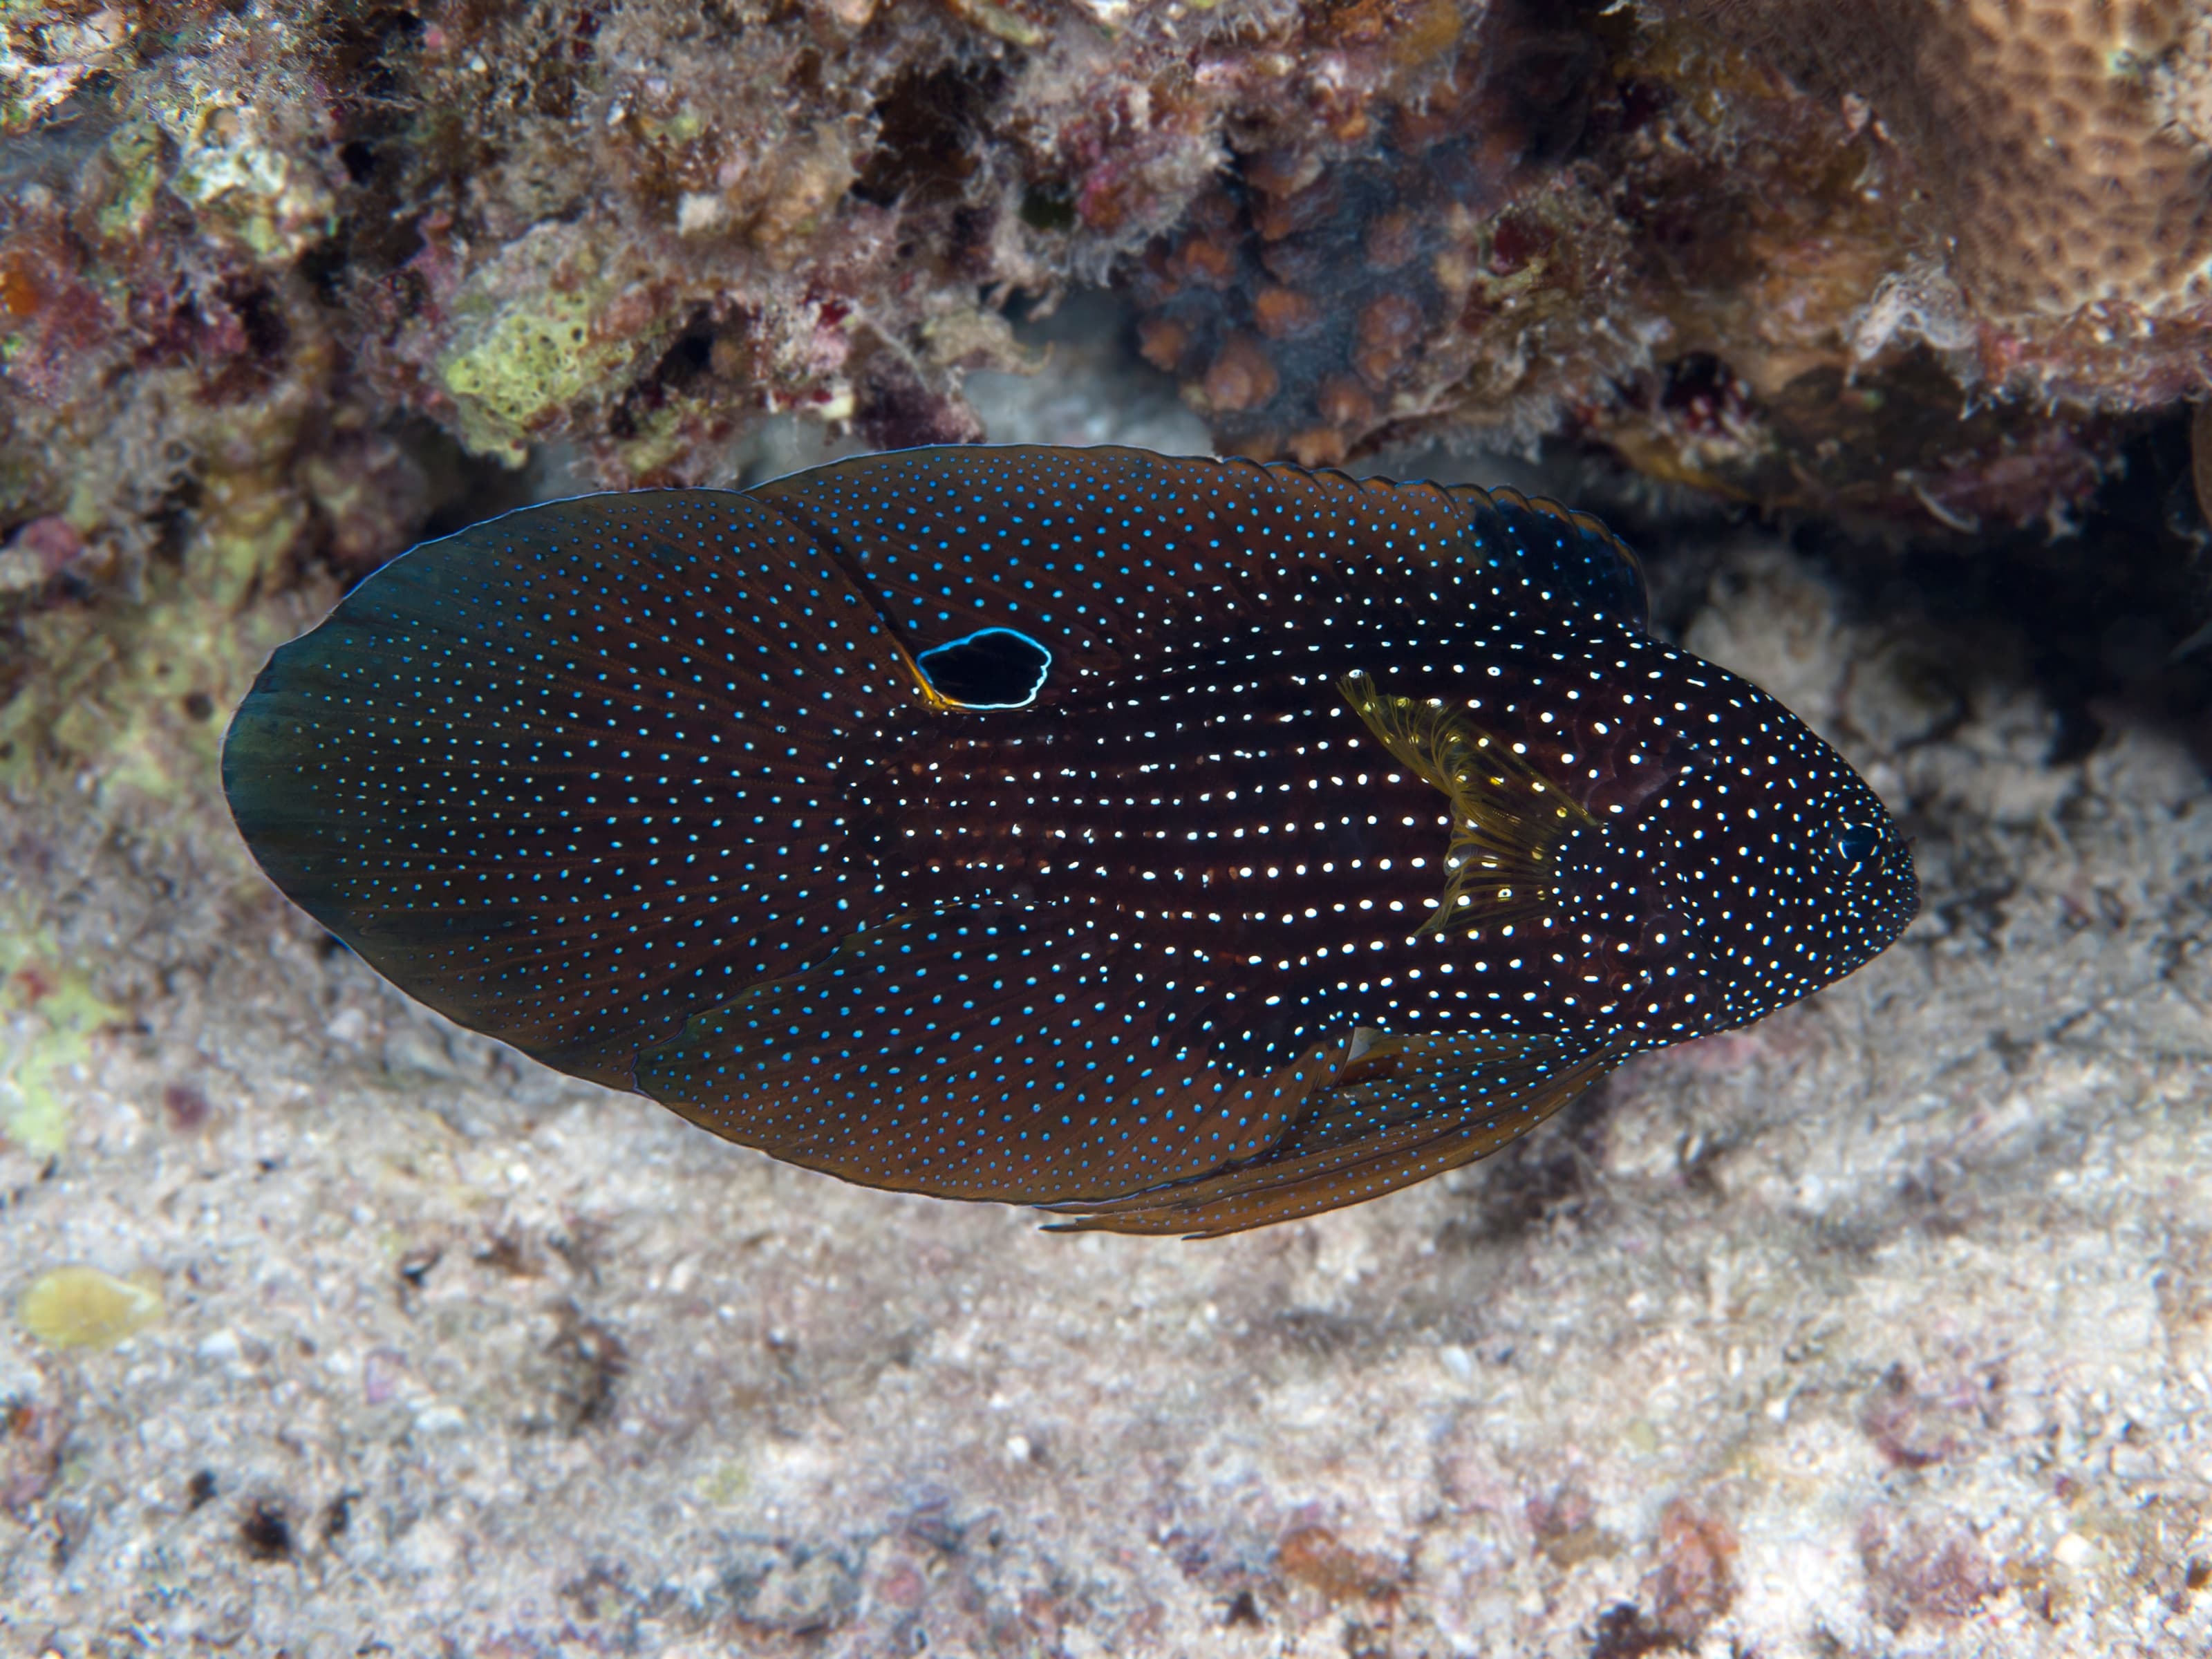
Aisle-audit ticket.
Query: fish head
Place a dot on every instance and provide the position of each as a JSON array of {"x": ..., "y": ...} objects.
[
  {"x": 1734, "y": 859},
  {"x": 1780, "y": 867}
]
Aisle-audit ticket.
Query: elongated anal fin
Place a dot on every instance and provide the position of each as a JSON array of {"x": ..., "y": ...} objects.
[
  {"x": 1405, "y": 1110},
  {"x": 976, "y": 1053},
  {"x": 1509, "y": 820},
  {"x": 979, "y": 1055}
]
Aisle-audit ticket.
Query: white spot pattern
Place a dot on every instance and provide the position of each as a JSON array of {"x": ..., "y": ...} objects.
[{"x": 1163, "y": 945}]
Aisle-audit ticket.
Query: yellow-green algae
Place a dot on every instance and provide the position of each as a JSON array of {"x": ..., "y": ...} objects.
[
  {"x": 726, "y": 1485},
  {"x": 83, "y": 1307},
  {"x": 44, "y": 53},
  {"x": 48, "y": 1015},
  {"x": 237, "y": 181},
  {"x": 248, "y": 178},
  {"x": 527, "y": 342},
  {"x": 134, "y": 149},
  {"x": 123, "y": 705},
  {"x": 105, "y": 704}
]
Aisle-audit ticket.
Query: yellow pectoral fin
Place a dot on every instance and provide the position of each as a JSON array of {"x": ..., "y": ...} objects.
[{"x": 1508, "y": 818}]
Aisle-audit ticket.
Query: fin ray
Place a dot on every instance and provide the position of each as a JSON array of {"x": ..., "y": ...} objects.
[
  {"x": 1508, "y": 819},
  {"x": 1555, "y": 544},
  {"x": 1446, "y": 1101}
]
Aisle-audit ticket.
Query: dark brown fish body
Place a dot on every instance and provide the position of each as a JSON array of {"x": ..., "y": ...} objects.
[{"x": 1185, "y": 844}]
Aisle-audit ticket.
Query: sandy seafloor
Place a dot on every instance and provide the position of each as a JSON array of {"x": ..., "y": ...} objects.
[{"x": 1881, "y": 1328}]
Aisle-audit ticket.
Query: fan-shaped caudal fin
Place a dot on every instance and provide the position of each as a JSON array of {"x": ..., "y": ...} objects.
[
  {"x": 570, "y": 776},
  {"x": 1406, "y": 1108},
  {"x": 1108, "y": 556},
  {"x": 1023, "y": 1055}
]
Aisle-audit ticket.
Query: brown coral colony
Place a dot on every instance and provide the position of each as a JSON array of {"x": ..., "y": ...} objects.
[{"x": 1568, "y": 215}]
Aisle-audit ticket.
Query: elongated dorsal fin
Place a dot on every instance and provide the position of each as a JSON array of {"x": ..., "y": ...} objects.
[{"x": 1106, "y": 556}]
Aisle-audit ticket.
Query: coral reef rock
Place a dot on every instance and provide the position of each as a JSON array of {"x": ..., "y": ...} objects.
[{"x": 323, "y": 266}]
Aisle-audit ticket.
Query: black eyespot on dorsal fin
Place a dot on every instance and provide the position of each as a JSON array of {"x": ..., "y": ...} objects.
[{"x": 1553, "y": 545}]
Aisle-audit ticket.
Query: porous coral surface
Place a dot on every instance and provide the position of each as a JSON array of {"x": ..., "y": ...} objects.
[{"x": 2055, "y": 137}]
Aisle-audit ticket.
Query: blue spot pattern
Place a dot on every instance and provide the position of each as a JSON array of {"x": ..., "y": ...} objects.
[
  {"x": 573, "y": 773},
  {"x": 1354, "y": 828}
]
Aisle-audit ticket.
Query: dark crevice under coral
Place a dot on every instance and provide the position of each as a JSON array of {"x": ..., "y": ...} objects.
[
  {"x": 2100, "y": 615},
  {"x": 261, "y": 259},
  {"x": 454, "y": 488},
  {"x": 929, "y": 125},
  {"x": 2097, "y": 623}
]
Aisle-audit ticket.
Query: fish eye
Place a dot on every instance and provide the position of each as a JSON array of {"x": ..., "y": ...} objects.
[{"x": 1856, "y": 844}]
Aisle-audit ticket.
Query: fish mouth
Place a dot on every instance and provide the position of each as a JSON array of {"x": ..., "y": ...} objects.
[{"x": 1905, "y": 907}]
